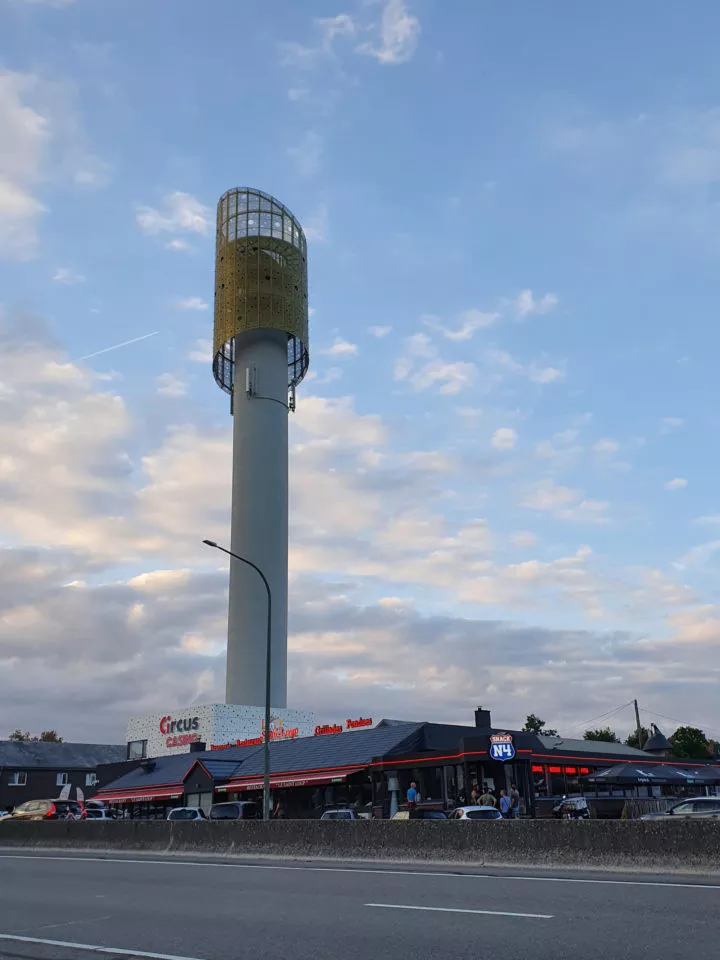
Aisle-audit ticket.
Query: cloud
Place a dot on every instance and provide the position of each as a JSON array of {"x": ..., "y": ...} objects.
[
  {"x": 672, "y": 423},
  {"x": 676, "y": 484},
  {"x": 379, "y": 332},
  {"x": 304, "y": 57},
  {"x": 526, "y": 305},
  {"x": 191, "y": 303},
  {"x": 523, "y": 538},
  {"x": 178, "y": 245},
  {"x": 606, "y": 445},
  {"x": 202, "y": 352},
  {"x": 306, "y": 155},
  {"x": 565, "y": 503},
  {"x": 179, "y": 213},
  {"x": 340, "y": 348},
  {"x": 469, "y": 320},
  {"x": 501, "y": 359},
  {"x": 68, "y": 277},
  {"x": 315, "y": 225},
  {"x": 504, "y": 439},
  {"x": 399, "y": 34},
  {"x": 25, "y": 135},
  {"x": 421, "y": 365},
  {"x": 169, "y": 385}
]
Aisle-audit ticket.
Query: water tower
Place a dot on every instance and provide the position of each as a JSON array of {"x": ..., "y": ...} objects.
[{"x": 260, "y": 354}]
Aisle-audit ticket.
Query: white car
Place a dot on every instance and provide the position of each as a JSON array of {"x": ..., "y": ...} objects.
[
  {"x": 95, "y": 813},
  {"x": 340, "y": 815},
  {"x": 186, "y": 813},
  {"x": 476, "y": 813}
]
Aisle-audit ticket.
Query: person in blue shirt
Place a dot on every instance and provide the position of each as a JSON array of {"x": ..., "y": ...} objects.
[
  {"x": 412, "y": 796},
  {"x": 505, "y": 804}
]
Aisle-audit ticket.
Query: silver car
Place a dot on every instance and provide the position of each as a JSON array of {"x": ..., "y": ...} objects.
[
  {"x": 694, "y": 807},
  {"x": 476, "y": 813}
]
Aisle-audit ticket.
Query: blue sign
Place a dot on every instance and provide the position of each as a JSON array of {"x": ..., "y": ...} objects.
[{"x": 502, "y": 747}]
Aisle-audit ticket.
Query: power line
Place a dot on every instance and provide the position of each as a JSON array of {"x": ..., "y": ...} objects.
[
  {"x": 603, "y": 716},
  {"x": 683, "y": 723}
]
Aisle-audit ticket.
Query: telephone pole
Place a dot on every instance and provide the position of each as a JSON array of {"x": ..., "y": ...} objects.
[{"x": 638, "y": 728}]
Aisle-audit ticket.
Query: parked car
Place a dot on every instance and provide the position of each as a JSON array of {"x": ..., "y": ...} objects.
[
  {"x": 95, "y": 813},
  {"x": 236, "y": 810},
  {"x": 419, "y": 814},
  {"x": 341, "y": 814},
  {"x": 186, "y": 813},
  {"x": 476, "y": 813},
  {"x": 48, "y": 810},
  {"x": 694, "y": 807}
]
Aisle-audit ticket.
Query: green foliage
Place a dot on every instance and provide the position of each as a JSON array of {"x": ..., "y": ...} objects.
[
  {"x": 632, "y": 740},
  {"x": 47, "y": 736},
  {"x": 603, "y": 733},
  {"x": 534, "y": 724},
  {"x": 689, "y": 742}
]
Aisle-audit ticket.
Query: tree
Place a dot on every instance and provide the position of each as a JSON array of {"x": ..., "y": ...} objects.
[
  {"x": 50, "y": 736},
  {"x": 632, "y": 740},
  {"x": 689, "y": 742},
  {"x": 534, "y": 724},
  {"x": 47, "y": 736},
  {"x": 19, "y": 737},
  {"x": 603, "y": 733}
]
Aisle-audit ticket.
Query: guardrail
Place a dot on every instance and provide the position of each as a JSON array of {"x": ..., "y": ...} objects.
[{"x": 684, "y": 845}]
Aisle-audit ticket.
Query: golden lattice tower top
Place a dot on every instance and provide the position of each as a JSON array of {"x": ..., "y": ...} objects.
[{"x": 260, "y": 279}]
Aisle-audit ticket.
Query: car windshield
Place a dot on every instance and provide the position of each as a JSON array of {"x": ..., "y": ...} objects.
[
  {"x": 183, "y": 815},
  {"x": 481, "y": 814},
  {"x": 225, "y": 811}
]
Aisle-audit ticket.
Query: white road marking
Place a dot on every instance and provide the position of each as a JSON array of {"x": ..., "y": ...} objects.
[
  {"x": 92, "y": 948},
  {"x": 371, "y": 870},
  {"x": 485, "y": 913}
]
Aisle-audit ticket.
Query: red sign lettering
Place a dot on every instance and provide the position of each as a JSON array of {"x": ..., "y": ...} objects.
[
  {"x": 361, "y": 722},
  {"x": 321, "y": 731}
]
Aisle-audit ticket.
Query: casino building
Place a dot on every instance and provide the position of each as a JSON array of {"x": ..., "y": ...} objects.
[{"x": 370, "y": 767}]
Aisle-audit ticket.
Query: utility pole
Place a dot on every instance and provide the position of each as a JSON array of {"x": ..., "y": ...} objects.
[{"x": 638, "y": 728}]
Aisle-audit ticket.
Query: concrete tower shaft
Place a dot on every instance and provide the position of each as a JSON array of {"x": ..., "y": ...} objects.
[{"x": 260, "y": 355}]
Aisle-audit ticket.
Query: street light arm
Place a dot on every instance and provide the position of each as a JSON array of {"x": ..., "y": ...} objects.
[
  {"x": 236, "y": 556},
  {"x": 268, "y": 671}
]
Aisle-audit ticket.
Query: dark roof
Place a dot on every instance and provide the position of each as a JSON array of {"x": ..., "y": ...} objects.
[
  {"x": 155, "y": 772},
  {"x": 351, "y": 748},
  {"x": 657, "y": 742},
  {"x": 58, "y": 756},
  {"x": 564, "y": 745}
]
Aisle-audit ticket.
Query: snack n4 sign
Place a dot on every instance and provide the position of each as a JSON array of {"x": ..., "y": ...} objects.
[{"x": 502, "y": 746}]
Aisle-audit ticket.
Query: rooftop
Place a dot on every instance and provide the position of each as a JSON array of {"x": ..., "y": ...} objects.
[{"x": 23, "y": 754}]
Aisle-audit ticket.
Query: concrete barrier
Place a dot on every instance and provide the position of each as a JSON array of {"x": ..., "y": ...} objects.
[{"x": 683, "y": 845}]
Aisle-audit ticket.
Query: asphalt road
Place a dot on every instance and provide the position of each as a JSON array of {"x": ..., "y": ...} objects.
[{"x": 292, "y": 911}]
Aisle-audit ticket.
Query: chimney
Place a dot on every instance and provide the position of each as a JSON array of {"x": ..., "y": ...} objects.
[
  {"x": 198, "y": 747},
  {"x": 482, "y": 719}
]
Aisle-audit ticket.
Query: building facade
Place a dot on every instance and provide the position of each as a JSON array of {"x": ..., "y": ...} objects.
[{"x": 40, "y": 771}]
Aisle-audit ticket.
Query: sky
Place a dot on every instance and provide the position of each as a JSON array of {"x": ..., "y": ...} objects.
[{"x": 503, "y": 484}]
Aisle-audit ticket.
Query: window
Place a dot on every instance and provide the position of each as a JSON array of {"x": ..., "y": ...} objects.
[
  {"x": 91, "y": 779},
  {"x": 62, "y": 780},
  {"x": 17, "y": 779},
  {"x": 137, "y": 750}
]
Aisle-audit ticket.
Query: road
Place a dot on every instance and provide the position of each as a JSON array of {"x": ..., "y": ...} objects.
[{"x": 59, "y": 906}]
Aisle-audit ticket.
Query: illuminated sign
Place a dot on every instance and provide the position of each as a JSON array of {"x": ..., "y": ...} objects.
[
  {"x": 321, "y": 731},
  {"x": 277, "y": 732},
  {"x": 501, "y": 746},
  {"x": 188, "y": 724},
  {"x": 355, "y": 724}
]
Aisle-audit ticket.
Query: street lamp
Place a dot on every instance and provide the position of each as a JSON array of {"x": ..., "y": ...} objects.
[{"x": 268, "y": 661}]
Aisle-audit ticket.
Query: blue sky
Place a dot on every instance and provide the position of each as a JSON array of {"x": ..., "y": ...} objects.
[{"x": 504, "y": 485}]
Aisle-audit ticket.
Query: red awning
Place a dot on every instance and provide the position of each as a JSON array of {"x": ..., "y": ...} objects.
[
  {"x": 282, "y": 780},
  {"x": 135, "y": 797}
]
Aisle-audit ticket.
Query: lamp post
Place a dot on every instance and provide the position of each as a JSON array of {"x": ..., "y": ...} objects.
[{"x": 268, "y": 662}]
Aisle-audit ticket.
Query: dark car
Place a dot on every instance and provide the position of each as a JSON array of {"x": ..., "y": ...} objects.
[
  {"x": 236, "y": 810},
  {"x": 48, "y": 810}
]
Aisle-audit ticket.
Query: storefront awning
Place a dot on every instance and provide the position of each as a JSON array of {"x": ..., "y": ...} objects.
[
  {"x": 156, "y": 794},
  {"x": 283, "y": 780},
  {"x": 634, "y": 774}
]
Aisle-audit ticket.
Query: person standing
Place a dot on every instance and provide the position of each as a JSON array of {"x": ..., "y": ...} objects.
[
  {"x": 514, "y": 801},
  {"x": 412, "y": 796},
  {"x": 505, "y": 805},
  {"x": 487, "y": 799},
  {"x": 474, "y": 794}
]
